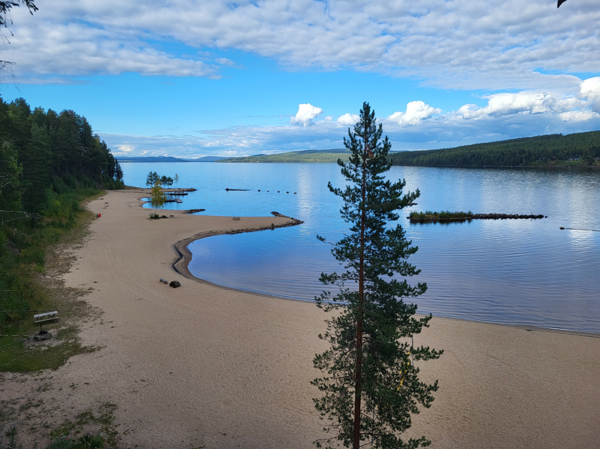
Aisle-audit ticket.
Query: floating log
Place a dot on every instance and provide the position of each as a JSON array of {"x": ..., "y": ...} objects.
[
  {"x": 173, "y": 200},
  {"x": 236, "y": 190},
  {"x": 177, "y": 193}
]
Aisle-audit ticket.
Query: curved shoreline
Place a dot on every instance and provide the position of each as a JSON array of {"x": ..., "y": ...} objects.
[{"x": 184, "y": 255}]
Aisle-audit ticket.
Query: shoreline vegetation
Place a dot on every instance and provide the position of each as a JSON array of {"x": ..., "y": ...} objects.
[{"x": 448, "y": 217}]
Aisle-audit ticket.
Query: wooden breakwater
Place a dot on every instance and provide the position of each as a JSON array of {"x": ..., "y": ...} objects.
[
  {"x": 293, "y": 222},
  {"x": 193, "y": 211},
  {"x": 450, "y": 217},
  {"x": 187, "y": 189}
]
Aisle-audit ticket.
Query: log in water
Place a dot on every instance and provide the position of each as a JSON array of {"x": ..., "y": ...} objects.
[{"x": 447, "y": 217}]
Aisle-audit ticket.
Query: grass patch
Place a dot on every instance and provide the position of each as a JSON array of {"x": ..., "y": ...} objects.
[
  {"x": 103, "y": 421},
  {"x": 33, "y": 259}
]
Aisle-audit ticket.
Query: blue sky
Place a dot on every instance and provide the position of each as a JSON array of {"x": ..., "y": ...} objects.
[{"x": 192, "y": 78}]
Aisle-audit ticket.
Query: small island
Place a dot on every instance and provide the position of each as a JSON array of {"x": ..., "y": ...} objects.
[{"x": 447, "y": 217}]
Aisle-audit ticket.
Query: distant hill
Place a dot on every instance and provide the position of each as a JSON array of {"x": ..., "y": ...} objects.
[
  {"x": 168, "y": 159},
  {"x": 580, "y": 149},
  {"x": 314, "y": 156}
]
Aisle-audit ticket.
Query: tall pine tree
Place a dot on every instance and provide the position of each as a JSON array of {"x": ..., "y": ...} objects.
[{"x": 370, "y": 384}]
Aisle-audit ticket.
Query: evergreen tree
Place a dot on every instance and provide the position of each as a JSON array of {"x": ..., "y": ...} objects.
[
  {"x": 370, "y": 385},
  {"x": 118, "y": 171},
  {"x": 152, "y": 178}
]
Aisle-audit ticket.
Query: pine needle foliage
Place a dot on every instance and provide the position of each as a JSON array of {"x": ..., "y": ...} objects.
[{"x": 370, "y": 385}]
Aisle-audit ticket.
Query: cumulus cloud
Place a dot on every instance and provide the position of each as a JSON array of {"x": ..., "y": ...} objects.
[
  {"x": 123, "y": 149},
  {"x": 415, "y": 112},
  {"x": 456, "y": 44},
  {"x": 306, "y": 112},
  {"x": 569, "y": 107},
  {"x": 590, "y": 90},
  {"x": 348, "y": 119}
]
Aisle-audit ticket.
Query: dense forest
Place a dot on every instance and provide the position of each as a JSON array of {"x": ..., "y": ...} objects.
[
  {"x": 49, "y": 163},
  {"x": 551, "y": 150}
]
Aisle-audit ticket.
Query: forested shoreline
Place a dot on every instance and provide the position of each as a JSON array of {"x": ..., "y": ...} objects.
[
  {"x": 581, "y": 149},
  {"x": 49, "y": 163}
]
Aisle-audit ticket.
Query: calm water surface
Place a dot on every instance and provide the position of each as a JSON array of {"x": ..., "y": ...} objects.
[{"x": 504, "y": 271}]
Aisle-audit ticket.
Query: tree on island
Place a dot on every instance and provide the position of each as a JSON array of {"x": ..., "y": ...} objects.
[
  {"x": 158, "y": 196},
  {"x": 370, "y": 384},
  {"x": 166, "y": 180},
  {"x": 152, "y": 178}
]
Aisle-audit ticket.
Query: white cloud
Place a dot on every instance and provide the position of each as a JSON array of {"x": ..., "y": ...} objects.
[
  {"x": 306, "y": 112},
  {"x": 556, "y": 103},
  {"x": 123, "y": 150},
  {"x": 348, "y": 119},
  {"x": 590, "y": 89},
  {"x": 415, "y": 112},
  {"x": 457, "y": 44},
  {"x": 578, "y": 116}
]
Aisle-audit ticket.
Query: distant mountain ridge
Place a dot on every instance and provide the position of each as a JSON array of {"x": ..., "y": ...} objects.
[
  {"x": 578, "y": 149},
  {"x": 167, "y": 159},
  {"x": 304, "y": 156}
]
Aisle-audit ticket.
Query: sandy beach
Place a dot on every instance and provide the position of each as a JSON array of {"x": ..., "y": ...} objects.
[{"x": 206, "y": 366}]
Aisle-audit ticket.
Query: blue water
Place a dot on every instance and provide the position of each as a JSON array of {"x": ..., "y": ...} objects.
[{"x": 504, "y": 271}]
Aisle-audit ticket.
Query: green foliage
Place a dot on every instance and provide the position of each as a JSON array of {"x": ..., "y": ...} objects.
[
  {"x": 49, "y": 163},
  {"x": 22, "y": 250},
  {"x": 166, "y": 180},
  {"x": 369, "y": 382},
  {"x": 158, "y": 196},
  {"x": 152, "y": 178},
  {"x": 313, "y": 156},
  {"x": 83, "y": 442},
  {"x": 154, "y": 216},
  {"x": 555, "y": 149}
]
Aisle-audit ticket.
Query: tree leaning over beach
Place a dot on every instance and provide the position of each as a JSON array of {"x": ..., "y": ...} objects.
[{"x": 370, "y": 384}]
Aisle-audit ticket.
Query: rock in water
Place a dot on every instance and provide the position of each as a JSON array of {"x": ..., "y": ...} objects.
[{"x": 175, "y": 284}]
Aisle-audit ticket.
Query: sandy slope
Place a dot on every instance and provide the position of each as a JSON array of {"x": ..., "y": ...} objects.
[{"x": 204, "y": 365}]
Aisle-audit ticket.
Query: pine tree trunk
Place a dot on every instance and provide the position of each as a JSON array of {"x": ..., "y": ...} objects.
[{"x": 361, "y": 296}]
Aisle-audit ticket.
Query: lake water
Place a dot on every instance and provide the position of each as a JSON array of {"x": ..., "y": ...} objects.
[{"x": 504, "y": 271}]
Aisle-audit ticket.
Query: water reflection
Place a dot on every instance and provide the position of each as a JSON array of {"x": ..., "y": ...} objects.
[{"x": 506, "y": 271}]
